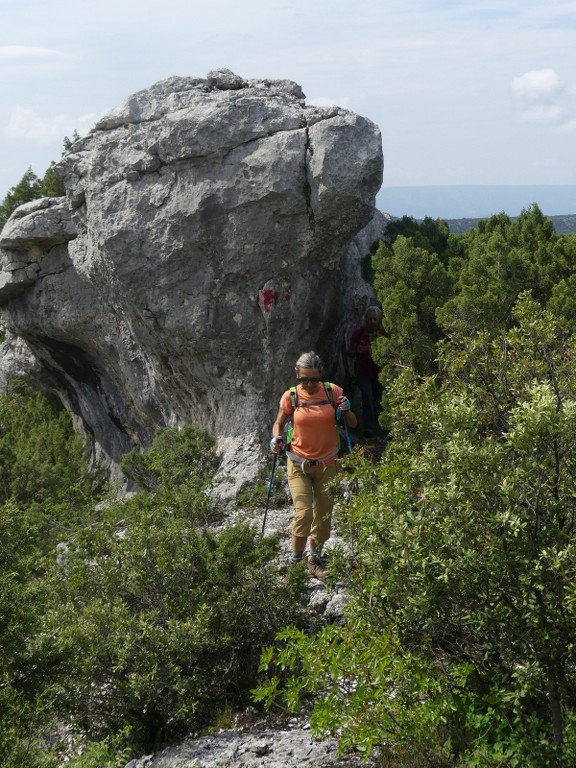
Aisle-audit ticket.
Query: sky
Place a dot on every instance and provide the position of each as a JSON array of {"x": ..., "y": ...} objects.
[{"x": 474, "y": 93}]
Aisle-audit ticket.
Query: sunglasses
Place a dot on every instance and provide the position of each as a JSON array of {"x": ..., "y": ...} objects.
[{"x": 308, "y": 380}]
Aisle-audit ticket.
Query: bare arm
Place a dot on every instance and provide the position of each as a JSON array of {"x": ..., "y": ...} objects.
[
  {"x": 350, "y": 418},
  {"x": 347, "y": 414},
  {"x": 278, "y": 426}
]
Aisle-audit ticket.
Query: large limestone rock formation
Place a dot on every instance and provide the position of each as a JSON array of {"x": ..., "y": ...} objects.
[{"x": 211, "y": 231}]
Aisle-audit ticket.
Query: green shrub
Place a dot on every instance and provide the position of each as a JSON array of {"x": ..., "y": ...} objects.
[
  {"x": 149, "y": 626},
  {"x": 44, "y": 464},
  {"x": 460, "y": 647},
  {"x": 111, "y": 752},
  {"x": 160, "y": 626},
  {"x": 175, "y": 456},
  {"x": 47, "y": 491},
  {"x": 24, "y": 723}
]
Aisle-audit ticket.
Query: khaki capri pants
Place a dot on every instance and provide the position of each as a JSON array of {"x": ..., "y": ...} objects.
[{"x": 312, "y": 504}]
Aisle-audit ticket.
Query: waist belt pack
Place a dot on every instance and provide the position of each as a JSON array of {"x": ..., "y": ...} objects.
[{"x": 311, "y": 462}]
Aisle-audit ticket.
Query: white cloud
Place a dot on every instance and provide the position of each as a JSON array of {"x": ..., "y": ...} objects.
[
  {"x": 26, "y": 53},
  {"x": 537, "y": 84},
  {"x": 547, "y": 114},
  {"x": 24, "y": 123},
  {"x": 546, "y": 100}
]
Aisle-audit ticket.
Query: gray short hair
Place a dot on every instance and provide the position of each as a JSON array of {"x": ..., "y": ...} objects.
[
  {"x": 375, "y": 309},
  {"x": 309, "y": 360}
]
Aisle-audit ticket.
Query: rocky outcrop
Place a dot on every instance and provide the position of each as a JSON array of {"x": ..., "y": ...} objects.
[{"x": 212, "y": 230}]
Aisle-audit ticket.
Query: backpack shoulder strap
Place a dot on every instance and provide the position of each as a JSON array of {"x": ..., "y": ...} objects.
[
  {"x": 294, "y": 398},
  {"x": 329, "y": 393}
]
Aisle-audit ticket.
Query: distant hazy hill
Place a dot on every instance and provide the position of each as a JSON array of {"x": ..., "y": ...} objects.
[{"x": 477, "y": 202}]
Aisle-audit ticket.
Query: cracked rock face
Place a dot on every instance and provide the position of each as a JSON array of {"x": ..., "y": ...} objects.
[{"x": 211, "y": 232}]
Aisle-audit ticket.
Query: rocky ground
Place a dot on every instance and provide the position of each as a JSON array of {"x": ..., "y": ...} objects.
[{"x": 263, "y": 744}]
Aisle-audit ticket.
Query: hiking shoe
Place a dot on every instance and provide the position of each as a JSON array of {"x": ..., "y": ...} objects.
[{"x": 316, "y": 568}]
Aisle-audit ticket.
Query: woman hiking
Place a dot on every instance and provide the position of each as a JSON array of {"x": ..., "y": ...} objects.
[{"x": 312, "y": 455}]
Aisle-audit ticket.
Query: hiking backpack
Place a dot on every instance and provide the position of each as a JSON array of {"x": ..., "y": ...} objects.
[{"x": 340, "y": 431}]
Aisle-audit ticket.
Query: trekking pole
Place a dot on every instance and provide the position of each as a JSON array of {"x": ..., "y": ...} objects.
[
  {"x": 270, "y": 481},
  {"x": 344, "y": 419},
  {"x": 348, "y": 440}
]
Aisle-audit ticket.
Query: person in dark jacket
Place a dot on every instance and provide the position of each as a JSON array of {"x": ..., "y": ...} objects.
[{"x": 366, "y": 371}]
